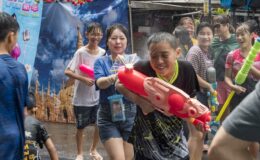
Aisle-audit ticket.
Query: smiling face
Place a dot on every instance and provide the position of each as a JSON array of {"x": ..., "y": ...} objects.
[
  {"x": 243, "y": 36},
  {"x": 163, "y": 58},
  {"x": 94, "y": 37},
  {"x": 205, "y": 36},
  {"x": 117, "y": 42},
  {"x": 189, "y": 25}
]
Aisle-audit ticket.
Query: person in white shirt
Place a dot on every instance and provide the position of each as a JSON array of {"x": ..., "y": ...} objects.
[{"x": 86, "y": 97}]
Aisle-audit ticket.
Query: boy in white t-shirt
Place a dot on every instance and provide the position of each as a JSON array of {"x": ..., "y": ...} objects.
[{"x": 86, "y": 97}]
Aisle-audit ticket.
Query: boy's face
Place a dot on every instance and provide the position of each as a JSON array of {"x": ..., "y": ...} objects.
[
  {"x": 94, "y": 37},
  {"x": 163, "y": 58}
]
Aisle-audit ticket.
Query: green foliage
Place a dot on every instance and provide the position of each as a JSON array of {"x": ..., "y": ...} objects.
[{"x": 220, "y": 11}]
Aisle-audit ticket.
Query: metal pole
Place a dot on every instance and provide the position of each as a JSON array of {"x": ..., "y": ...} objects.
[{"x": 131, "y": 26}]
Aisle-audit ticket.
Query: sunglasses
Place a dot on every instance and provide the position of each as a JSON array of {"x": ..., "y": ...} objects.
[{"x": 217, "y": 25}]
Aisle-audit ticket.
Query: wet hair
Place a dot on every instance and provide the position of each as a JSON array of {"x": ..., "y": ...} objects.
[
  {"x": 181, "y": 21},
  {"x": 94, "y": 26},
  {"x": 183, "y": 36},
  {"x": 163, "y": 37},
  {"x": 7, "y": 24},
  {"x": 252, "y": 24},
  {"x": 243, "y": 27},
  {"x": 31, "y": 102},
  {"x": 246, "y": 28},
  {"x": 203, "y": 25},
  {"x": 111, "y": 29}
]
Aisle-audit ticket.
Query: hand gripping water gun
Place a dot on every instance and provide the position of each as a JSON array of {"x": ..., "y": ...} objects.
[
  {"x": 87, "y": 70},
  {"x": 213, "y": 100},
  {"x": 166, "y": 98},
  {"x": 241, "y": 75}
]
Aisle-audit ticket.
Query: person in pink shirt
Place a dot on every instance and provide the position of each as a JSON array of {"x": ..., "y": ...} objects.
[{"x": 234, "y": 62}]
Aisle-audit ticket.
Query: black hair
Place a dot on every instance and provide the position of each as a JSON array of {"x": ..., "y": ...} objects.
[
  {"x": 31, "y": 103},
  {"x": 247, "y": 27},
  {"x": 183, "y": 35},
  {"x": 252, "y": 24},
  {"x": 203, "y": 25},
  {"x": 93, "y": 26},
  {"x": 222, "y": 19},
  {"x": 181, "y": 21},
  {"x": 7, "y": 24},
  {"x": 113, "y": 27}
]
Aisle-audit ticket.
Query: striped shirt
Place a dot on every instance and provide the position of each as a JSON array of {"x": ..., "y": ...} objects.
[{"x": 200, "y": 61}]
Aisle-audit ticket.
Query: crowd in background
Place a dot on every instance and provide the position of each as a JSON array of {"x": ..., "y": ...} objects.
[{"x": 128, "y": 124}]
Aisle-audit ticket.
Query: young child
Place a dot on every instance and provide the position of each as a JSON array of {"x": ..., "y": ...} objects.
[
  {"x": 36, "y": 134},
  {"x": 86, "y": 97}
]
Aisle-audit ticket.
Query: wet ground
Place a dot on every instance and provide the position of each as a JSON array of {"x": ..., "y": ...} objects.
[{"x": 63, "y": 136}]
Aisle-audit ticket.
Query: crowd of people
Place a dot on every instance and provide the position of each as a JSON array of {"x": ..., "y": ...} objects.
[{"x": 129, "y": 125}]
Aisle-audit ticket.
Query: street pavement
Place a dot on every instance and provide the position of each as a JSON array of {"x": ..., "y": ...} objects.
[{"x": 63, "y": 136}]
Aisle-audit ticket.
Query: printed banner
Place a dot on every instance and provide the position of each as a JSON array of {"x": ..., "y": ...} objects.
[
  {"x": 58, "y": 43},
  {"x": 28, "y": 14}
]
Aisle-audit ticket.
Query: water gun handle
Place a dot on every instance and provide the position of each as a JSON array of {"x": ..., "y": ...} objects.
[
  {"x": 197, "y": 122},
  {"x": 87, "y": 70}
]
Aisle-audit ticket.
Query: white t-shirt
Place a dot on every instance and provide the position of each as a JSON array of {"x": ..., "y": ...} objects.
[{"x": 83, "y": 94}]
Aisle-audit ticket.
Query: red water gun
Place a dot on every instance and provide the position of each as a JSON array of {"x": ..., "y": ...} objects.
[{"x": 165, "y": 97}]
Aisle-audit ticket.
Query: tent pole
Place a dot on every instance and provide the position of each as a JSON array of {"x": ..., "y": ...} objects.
[{"x": 131, "y": 26}]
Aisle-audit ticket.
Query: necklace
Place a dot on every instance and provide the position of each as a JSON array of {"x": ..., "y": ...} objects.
[{"x": 174, "y": 76}]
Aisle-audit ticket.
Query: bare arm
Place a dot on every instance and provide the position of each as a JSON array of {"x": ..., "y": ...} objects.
[
  {"x": 84, "y": 79},
  {"x": 238, "y": 89},
  {"x": 144, "y": 104},
  {"x": 255, "y": 72},
  {"x": 105, "y": 82},
  {"x": 225, "y": 147},
  {"x": 195, "y": 142},
  {"x": 205, "y": 84},
  {"x": 51, "y": 149}
]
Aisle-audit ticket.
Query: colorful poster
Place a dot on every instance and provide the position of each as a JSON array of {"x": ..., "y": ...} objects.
[
  {"x": 28, "y": 14},
  {"x": 57, "y": 44}
]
